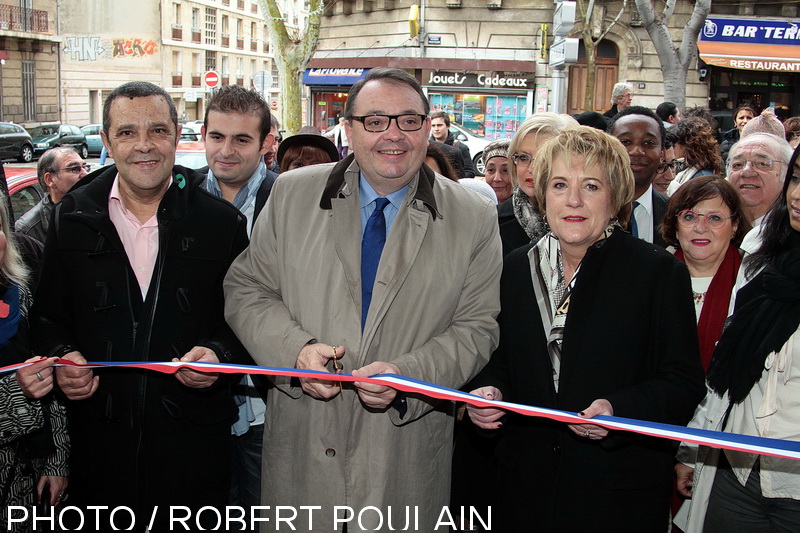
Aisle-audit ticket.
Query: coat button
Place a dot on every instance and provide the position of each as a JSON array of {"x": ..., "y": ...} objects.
[
  {"x": 556, "y": 449},
  {"x": 330, "y": 452}
]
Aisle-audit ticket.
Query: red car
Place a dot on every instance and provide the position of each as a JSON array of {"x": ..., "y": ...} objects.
[{"x": 24, "y": 189}]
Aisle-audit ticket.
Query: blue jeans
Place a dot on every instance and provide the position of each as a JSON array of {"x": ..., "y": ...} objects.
[{"x": 246, "y": 470}]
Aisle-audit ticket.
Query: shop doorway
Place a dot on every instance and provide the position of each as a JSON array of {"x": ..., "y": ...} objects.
[{"x": 607, "y": 72}]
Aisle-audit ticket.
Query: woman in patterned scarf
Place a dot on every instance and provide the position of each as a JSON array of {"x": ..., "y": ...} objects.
[{"x": 597, "y": 322}]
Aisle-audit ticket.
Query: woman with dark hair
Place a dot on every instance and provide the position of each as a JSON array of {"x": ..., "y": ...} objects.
[
  {"x": 706, "y": 223},
  {"x": 754, "y": 387},
  {"x": 593, "y": 321},
  {"x": 34, "y": 444},
  {"x": 741, "y": 116},
  {"x": 696, "y": 146},
  {"x": 437, "y": 159},
  {"x": 305, "y": 149}
]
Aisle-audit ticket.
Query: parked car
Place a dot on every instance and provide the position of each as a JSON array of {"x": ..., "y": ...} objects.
[
  {"x": 23, "y": 188},
  {"x": 191, "y": 155},
  {"x": 51, "y": 135},
  {"x": 93, "y": 140},
  {"x": 475, "y": 143},
  {"x": 190, "y": 133},
  {"x": 15, "y": 143}
]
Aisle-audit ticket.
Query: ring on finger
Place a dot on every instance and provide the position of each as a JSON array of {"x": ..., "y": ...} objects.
[
  {"x": 39, "y": 377},
  {"x": 334, "y": 351},
  {"x": 586, "y": 433}
]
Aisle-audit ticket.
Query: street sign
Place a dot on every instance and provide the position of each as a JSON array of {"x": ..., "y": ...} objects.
[
  {"x": 211, "y": 79},
  {"x": 563, "y": 19},
  {"x": 273, "y": 105},
  {"x": 262, "y": 81},
  {"x": 564, "y": 51}
]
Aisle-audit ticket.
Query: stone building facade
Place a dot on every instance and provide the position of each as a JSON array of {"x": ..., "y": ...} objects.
[{"x": 29, "y": 74}]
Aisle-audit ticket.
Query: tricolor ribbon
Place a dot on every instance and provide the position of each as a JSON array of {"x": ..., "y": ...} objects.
[{"x": 716, "y": 439}]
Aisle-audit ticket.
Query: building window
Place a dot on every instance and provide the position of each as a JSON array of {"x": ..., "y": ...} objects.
[
  {"x": 239, "y": 29},
  {"x": 225, "y": 67},
  {"x": 29, "y": 89},
  {"x": 253, "y": 32},
  {"x": 224, "y": 23},
  {"x": 275, "y": 83},
  {"x": 252, "y": 67},
  {"x": 211, "y": 26},
  {"x": 177, "y": 67},
  {"x": 196, "y": 64},
  {"x": 176, "y": 14},
  {"x": 239, "y": 67},
  {"x": 211, "y": 60},
  {"x": 195, "y": 19}
]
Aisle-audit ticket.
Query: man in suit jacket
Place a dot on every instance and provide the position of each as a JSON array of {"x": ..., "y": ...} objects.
[
  {"x": 426, "y": 310},
  {"x": 642, "y": 133}
]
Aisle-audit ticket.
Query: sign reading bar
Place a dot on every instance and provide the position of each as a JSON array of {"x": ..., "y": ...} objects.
[{"x": 751, "y": 44}]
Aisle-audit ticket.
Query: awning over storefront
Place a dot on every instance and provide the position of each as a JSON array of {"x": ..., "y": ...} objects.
[
  {"x": 751, "y": 44},
  {"x": 333, "y": 76}
]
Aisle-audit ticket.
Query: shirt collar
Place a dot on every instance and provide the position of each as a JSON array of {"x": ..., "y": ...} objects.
[
  {"x": 646, "y": 200},
  {"x": 368, "y": 194},
  {"x": 248, "y": 191}
]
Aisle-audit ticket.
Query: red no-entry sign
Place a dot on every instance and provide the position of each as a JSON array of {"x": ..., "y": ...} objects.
[{"x": 211, "y": 79}]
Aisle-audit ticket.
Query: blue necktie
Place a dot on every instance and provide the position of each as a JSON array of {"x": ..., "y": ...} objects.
[
  {"x": 371, "y": 249},
  {"x": 634, "y": 226}
]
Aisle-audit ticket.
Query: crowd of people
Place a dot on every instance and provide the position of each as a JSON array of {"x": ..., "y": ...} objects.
[{"x": 632, "y": 264}]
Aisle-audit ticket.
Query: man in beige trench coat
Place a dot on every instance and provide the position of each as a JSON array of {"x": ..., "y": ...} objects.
[{"x": 365, "y": 457}]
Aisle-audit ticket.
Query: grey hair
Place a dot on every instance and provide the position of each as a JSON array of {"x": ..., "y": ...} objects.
[
  {"x": 780, "y": 148},
  {"x": 49, "y": 162},
  {"x": 619, "y": 89}
]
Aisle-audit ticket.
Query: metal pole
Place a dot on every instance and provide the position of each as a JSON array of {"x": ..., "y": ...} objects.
[{"x": 557, "y": 96}]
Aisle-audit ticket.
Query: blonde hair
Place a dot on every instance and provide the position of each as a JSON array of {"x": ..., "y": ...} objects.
[
  {"x": 544, "y": 124},
  {"x": 12, "y": 267},
  {"x": 596, "y": 148}
]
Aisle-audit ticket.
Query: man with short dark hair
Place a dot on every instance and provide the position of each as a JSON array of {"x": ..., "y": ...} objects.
[
  {"x": 132, "y": 271},
  {"x": 334, "y": 278},
  {"x": 440, "y": 132},
  {"x": 668, "y": 113},
  {"x": 642, "y": 134},
  {"x": 58, "y": 170},
  {"x": 237, "y": 134},
  {"x": 270, "y": 158}
]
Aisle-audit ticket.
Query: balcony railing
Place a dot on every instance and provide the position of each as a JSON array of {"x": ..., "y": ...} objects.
[{"x": 15, "y": 18}]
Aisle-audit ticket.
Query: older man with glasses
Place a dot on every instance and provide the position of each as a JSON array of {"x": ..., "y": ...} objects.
[
  {"x": 372, "y": 265},
  {"x": 756, "y": 167},
  {"x": 58, "y": 170}
]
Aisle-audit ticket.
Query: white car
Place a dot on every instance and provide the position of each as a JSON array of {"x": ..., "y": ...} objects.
[{"x": 475, "y": 143}]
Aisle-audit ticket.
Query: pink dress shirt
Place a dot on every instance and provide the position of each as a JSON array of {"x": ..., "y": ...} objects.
[{"x": 139, "y": 240}]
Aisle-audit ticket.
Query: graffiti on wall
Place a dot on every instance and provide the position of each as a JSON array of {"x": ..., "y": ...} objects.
[
  {"x": 133, "y": 47},
  {"x": 82, "y": 48}
]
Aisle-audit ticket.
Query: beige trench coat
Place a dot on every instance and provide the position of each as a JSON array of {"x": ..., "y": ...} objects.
[{"x": 432, "y": 314}]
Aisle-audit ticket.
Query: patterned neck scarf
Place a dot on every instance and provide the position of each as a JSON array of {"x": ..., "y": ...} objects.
[{"x": 553, "y": 294}]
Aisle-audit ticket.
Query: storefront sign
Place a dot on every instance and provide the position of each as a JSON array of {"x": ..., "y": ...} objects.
[
  {"x": 333, "y": 76},
  {"x": 751, "y": 44},
  {"x": 455, "y": 79}
]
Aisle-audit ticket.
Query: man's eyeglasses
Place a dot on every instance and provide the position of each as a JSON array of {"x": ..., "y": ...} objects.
[
  {"x": 75, "y": 169},
  {"x": 521, "y": 160},
  {"x": 378, "y": 123},
  {"x": 714, "y": 219},
  {"x": 759, "y": 165},
  {"x": 669, "y": 164}
]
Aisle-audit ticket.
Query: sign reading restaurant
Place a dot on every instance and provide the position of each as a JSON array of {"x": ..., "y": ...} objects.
[
  {"x": 472, "y": 79},
  {"x": 751, "y": 44}
]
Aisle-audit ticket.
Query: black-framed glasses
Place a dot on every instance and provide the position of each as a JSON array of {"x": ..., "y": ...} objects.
[
  {"x": 75, "y": 169},
  {"x": 664, "y": 165},
  {"x": 521, "y": 160},
  {"x": 759, "y": 165},
  {"x": 379, "y": 123},
  {"x": 714, "y": 219}
]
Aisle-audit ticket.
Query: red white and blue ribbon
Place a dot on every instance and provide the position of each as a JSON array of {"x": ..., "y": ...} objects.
[{"x": 716, "y": 439}]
